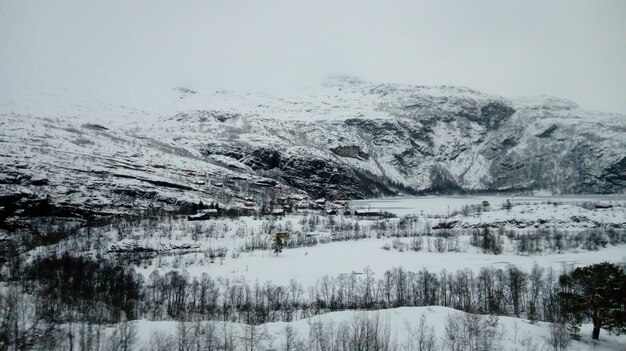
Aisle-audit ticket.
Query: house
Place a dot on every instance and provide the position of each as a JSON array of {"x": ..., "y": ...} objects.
[
  {"x": 247, "y": 208},
  {"x": 281, "y": 235},
  {"x": 204, "y": 215},
  {"x": 303, "y": 204},
  {"x": 278, "y": 212},
  {"x": 247, "y": 211},
  {"x": 367, "y": 213},
  {"x": 339, "y": 204}
]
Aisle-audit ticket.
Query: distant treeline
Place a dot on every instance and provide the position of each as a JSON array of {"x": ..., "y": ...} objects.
[
  {"x": 76, "y": 288},
  {"x": 499, "y": 291},
  {"x": 69, "y": 297}
]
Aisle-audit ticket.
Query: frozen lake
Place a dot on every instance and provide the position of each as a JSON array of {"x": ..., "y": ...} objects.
[{"x": 444, "y": 205}]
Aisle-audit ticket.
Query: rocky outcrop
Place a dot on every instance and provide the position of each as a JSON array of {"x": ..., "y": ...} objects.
[
  {"x": 616, "y": 173},
  {"x": 444, "y": 140},
  {"x": 353, "y": 151},
  {"x": 492, "y": 114},
  {"x": 354, "y": 140}
]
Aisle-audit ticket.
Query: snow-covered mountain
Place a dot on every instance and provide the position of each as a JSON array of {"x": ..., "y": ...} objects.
[{"x": 345, "y": 139}]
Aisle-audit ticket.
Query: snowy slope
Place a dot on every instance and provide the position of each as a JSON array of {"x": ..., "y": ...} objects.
[
  {"x": 345, "y": 139},
  {"x": 63, "y": 168},
  {"x": 397, "y": 138},
  {"x": 400, "y": 325}
]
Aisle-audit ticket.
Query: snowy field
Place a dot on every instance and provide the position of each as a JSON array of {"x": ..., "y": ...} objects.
[
  {"x": 400, "y": 326},
  {"x": 185, "y": 246},
  {"x": 332, "y": 258},
  {"x": 445, "y": 205},
  {"x": 309, "y": 264}
]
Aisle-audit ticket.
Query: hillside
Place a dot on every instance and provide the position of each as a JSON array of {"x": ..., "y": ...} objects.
[{"x": 72, "y": 155}]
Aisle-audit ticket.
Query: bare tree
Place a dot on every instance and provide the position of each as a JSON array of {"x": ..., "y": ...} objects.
[
  {"x": 420, "y": 337},
  {"x": 22, "y": 324},
  {"x": 229, "y": 341},
  {"x": 454, "y": 337},
  {"x": 162, "y": 342},
  {"x": 292, "y": 341},
  {"x": 559, "y": 336},
  {"x": 471, "y": 332},
  {"x": 253, "y": 336},
  {"x": 205, "y": 336},
  {"x": 185, "y": 338},
  {"x": 124, "y": 337}
]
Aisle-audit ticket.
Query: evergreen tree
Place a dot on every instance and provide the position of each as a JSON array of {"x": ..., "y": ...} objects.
[
  {"x": 597, "y": 292},
  {"x": 532, "y": 313},
  {"x": 277, "y": 245}
]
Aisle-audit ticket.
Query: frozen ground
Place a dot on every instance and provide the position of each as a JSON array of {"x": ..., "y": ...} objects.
[
  {"x": 445, "y": 205},
  {"x": 306, "y": 265},
  {"x": 514, "y": 334}
]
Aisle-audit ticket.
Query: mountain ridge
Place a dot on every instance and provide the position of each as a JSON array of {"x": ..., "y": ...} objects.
[{"x": 348, "y": 139}]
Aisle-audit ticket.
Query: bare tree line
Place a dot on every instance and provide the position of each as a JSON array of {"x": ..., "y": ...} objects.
[
  {"x": 81, "y": 288},
  {"x": 69, "y": 300}
]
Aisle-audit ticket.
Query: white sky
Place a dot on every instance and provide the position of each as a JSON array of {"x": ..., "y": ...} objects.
[{"x": 570, "y": 48}]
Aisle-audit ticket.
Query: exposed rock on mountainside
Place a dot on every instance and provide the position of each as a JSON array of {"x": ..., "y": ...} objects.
[
  {"x": 349, "y": 139},
  {"x": 429, "y": 139}
]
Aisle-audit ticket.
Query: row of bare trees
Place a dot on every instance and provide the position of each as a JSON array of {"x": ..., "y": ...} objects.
[
  {"x": 86, "y": 288},
  {"x": 361, "y": 332},
  {"x": 505, "y": 291},
  {"x": 72, "y": 297}
]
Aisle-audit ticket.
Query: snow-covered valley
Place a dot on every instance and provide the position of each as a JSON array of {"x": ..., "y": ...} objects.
[
  {"x": 324, "y": 175},
  {"x": 184, "y": 202},
  {"x": 343, "y": 252}
]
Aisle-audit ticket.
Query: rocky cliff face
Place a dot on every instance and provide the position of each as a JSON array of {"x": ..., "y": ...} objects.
[
  {"x": 349, "y": 139},
  {"x": 429, "y": 139}
]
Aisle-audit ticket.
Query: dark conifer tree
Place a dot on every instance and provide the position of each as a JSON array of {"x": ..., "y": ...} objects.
[{"x": 597, "y": 292}]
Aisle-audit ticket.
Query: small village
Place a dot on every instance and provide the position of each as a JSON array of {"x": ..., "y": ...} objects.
[{"x": 286, "y": 205}]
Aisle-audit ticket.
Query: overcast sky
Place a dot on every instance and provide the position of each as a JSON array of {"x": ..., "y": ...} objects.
[{"x": 572, "y": 49}]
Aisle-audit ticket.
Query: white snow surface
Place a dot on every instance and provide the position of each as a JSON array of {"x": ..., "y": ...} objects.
[
  {"x": 515, "y": 334},
  {"x": 446, "y": 205},
  {"x": 308, "y": 265},
  {"x": 408, "y": 131}
]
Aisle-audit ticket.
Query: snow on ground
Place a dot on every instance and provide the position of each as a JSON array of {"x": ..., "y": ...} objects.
[
  {"x": 514, "y": 334},
  {"x": 124, "y": 106},
  {"x": 129, "y": 115},
  {"x": 186, "y": 243},
  {"x": 562, "y": 217},
  {"x": 96, "y": 166},
  {"x": 446, "y": 205},
  {"x": 308, "y": 264}
]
